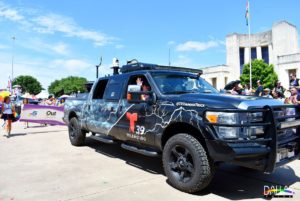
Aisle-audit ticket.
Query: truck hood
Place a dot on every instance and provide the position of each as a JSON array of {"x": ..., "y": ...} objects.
[{"x": 226, "y": 101}]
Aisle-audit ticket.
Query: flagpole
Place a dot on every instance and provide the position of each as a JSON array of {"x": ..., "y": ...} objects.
[
  {"x": 12, "y": 58},
  {"x": 249, "y": 34}
]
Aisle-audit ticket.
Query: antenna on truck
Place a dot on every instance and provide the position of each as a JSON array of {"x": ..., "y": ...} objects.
[{"x": 97, "y": 67}]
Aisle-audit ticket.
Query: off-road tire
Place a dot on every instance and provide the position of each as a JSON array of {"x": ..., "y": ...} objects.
[
  {"x": 76, "y": 135},
  {"x": 184, "y": 153}
]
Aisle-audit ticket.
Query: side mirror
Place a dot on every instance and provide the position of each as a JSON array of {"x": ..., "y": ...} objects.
[{"x": 141, "y": 97}]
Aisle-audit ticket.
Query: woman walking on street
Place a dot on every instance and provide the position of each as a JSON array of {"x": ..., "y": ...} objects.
[{"x": 7, "y": 113}]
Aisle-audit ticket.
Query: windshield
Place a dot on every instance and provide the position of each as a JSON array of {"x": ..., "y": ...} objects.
[{"x": 181, "y": 83}]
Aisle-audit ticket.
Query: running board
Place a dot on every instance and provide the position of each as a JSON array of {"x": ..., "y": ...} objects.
[
  {"x": 104, "y": 139},
  {"x": 139, "y": 151}
]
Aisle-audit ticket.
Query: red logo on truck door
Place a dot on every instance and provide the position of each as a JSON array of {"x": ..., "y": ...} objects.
[{"x": 132, "y": 117}]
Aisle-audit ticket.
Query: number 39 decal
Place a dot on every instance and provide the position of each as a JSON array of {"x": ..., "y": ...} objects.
[{"x": 140, "y": 130}]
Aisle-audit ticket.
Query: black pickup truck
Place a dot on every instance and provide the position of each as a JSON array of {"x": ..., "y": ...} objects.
[{"x": 170, "y": 111}]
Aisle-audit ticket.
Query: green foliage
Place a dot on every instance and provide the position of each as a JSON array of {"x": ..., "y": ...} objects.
[
  {"x": 67, "y": 86},
  {"x": 260, "y": 71},
  {"x": 29, "y": 84}
]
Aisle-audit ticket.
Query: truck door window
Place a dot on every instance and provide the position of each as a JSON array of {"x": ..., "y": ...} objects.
[
  {"x": 138, "y": 81},
  {"x": 99, "y": 90},
  {"x": 114, "y": 90}
]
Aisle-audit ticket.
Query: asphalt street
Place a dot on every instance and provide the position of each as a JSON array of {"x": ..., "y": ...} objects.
[{"x": 39, "y": 163}]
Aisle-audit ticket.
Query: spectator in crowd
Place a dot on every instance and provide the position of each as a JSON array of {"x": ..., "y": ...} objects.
[
  {"x": 260, "y": 89},
  {"x": 25, "y": 101},
  {"x": 277, "y": 97},
  {"x": 50, "y": 101},
  {"x": 237, "y": 89},
  {"x": 266, "y": 93},
  {"x": 8, "y": 109},
  {"x": 61, "y": 103},
  {"x": 294, "y": 98},
  {"x": 279, "y": 89},
  {"x": 247, "y": 90},
  {"x": 294, "y": 82}
]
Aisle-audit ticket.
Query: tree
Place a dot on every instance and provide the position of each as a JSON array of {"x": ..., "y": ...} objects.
[
  {"x": 260, "y": 71},
  {"x": 67, "y": 86},
  {"x": 28, "y": 84}
]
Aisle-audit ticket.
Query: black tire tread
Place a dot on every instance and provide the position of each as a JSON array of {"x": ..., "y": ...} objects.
[
  {"x": 80, "y": 136},
  {"x": 206, "y": 169}
]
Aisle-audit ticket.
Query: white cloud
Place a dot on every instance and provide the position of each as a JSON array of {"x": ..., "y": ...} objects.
[
  {"x": 72, "y": 65},
  {"x": 196, "y": 46},
  {"x": 39, "y": 45},
  {"x": 60, "y": 48},
  {"x": 46, "y": 71},
  {"x": 9, "y": 13},
  {"x": 53, "y": 23}
]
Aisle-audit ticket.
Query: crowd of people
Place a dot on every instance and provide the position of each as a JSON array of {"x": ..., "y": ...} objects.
[
  {"x": 51, "y": 101},
  {"x": 9, "y": 111},
  {"x": 287, "y": 96}
]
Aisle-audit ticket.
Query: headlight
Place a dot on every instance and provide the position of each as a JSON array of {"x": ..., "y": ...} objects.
[
  {"x": 253, "y": 131},
  {"x": 227, "y": 132},
  {"x": 224, "y": 118}
]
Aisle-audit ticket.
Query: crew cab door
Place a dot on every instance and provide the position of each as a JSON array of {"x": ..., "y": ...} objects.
[
  {"x": 105, "y": 112},
  {"x": 137, "y": 123},
  {"x": 92, "y": 109}
]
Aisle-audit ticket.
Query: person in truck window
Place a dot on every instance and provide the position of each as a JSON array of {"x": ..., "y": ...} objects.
[{"x": 144, "y": 87}]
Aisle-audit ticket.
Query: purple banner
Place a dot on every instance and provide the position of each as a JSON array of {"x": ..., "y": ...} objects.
[{"x": 42, "y": 114}]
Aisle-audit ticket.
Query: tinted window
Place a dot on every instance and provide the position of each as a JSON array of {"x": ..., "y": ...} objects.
[
  {"x": 265, "y": 54},
  {"x": 253, "y": 53},
  {"x": 114, "y": 89},
  {"x": 99, "y": 90},
  {"x": 242, "y": 59},
  {"x": 181, "y": 83}
]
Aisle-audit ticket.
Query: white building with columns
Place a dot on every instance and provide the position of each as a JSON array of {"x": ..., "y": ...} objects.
[{"x": 279, "y": 46}]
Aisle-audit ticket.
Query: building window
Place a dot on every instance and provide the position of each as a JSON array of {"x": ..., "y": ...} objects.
[
  {"x": 214, "y": 82},
  {"x": 253, "y": 53},
  {"x": 242, "y": 59},
  {"x": 265, "y": 54}
]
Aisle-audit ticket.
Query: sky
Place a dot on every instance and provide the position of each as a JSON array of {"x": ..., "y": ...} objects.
[{"x": 55, "y": 39}]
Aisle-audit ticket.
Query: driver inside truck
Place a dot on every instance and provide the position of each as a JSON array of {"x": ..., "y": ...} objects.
[{"x": 145, "y": 87}]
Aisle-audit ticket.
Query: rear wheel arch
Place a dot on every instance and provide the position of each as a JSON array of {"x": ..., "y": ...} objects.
[{"x": 72, "y": 114}]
